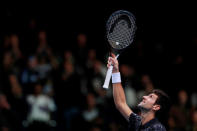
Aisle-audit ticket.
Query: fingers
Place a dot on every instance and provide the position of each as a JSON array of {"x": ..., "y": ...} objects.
[
  {"x": 113, "y": 55},
  {"x": 111, "y": 61},
  {"x": 108, "y": 65}
]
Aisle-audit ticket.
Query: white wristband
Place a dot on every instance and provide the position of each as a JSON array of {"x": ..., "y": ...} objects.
[{"x": 116, "y": 78}]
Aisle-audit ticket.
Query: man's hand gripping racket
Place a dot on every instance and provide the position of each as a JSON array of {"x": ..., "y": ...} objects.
[
  {"x": 113, "y": 63},
  {"x": 120, "y": 31}
]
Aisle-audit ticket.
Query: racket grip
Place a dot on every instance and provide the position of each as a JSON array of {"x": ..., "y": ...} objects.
[{"x": 108, "y": 77}]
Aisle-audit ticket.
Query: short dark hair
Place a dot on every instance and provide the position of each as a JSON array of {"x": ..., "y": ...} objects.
[{"x": 163, "y": 100}]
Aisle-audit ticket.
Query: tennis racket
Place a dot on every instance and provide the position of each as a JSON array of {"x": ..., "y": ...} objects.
[{"x": 120, "y": 31}]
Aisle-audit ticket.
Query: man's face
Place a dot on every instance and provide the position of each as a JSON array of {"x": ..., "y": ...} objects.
[{"x": 148, "y": 101}]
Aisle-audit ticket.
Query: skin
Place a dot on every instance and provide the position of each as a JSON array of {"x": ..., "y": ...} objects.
[{"x": 148, "y": 102}]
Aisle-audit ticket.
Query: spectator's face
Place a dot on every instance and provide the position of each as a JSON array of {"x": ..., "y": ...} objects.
[
  {"x": 126, "y": 70},
  {"x": 7, "y": 60},
  {"x": 145, "y": 79},
  {"x": 81, "y": 39},
  {"x": 14, "y": 40},
  {"x": 92, "y": 54},
  {"x": 38, "y": 89},
  {"x": 91, "y": 100},
  {"x": 194, "y": 117},
  {"x": 3, "y": 102},
  {"x": 32, "y": 63},
  {"x": 148, "y": 101},
  {"x": 182, "y": 97},
  {"x": 97, "y": 66},
  {"x": 67, "y": 55},
  {"x": 13, "y": 79},
  {"x": 68, "y": 66},
  {"x": 42, "y": 35},
  {"x": 95, "y": 129},
  {"x": 171, "y": 122}
]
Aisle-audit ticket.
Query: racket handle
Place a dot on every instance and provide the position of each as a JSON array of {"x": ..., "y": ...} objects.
[{"x": 108, "y": 77}]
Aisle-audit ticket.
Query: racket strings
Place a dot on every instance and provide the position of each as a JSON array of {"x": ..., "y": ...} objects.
[{"x": 122, "y": 35}]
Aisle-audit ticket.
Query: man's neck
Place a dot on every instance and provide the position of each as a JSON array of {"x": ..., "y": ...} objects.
[{"x": 146, "y": 117}]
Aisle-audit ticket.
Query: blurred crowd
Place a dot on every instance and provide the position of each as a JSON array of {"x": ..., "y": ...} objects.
[{"x": 44, "y": 89}]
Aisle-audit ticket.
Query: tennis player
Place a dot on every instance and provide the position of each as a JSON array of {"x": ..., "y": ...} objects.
[{"x": 156, "y": 102}]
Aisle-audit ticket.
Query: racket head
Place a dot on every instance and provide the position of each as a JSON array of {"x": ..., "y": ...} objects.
[{"x": 120, "y": 29}]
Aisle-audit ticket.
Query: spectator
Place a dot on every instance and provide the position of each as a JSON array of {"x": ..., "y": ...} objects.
[
  {"x": 41, "y": 107},
  {"x": 17, "y": 98},
  {"x": 8, "y": 62},
  {"x": 43, "y": 48},
  {"x": 194, "y": 99},
  {"x": 91, "y": 113},
  {"x": 15, "y": 49},
  {"x": 44, "y": 51},
  {"x": 30, "y": 75},
  {"x": 44, "y": 68},
  {"x": 81, "y": 50},
  {"x": 179, "y": 113},
  {"x": 68, "y": 56},
  {"x": 68, "y": 88},
  {"x": 8, "y": 118},
  {"x": 91, "y": 58},
  {"x": 96, "y": 83},
  {"x": 193, "y": 125},
  {"x": 13, "y": 57}
]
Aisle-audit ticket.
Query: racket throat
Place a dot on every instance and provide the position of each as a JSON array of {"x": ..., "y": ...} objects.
[
  {"x": 115, "y": 52},
  {"x": 117, "y": 56}
]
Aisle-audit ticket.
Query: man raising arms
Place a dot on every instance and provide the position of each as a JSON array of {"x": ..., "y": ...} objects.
[{"x": 156, "y": 102}]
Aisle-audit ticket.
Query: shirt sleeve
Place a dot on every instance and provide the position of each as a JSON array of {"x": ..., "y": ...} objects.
[
  {"x": 158, "y": 127},
  {"x": 30, "y": 99},
  {"x": 134, "y": 122},
  {"x": 52, "y": 105}
]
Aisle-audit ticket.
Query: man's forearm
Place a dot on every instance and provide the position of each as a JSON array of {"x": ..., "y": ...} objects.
[
  {"x": 118, "y": 94},
  {"x": 120, "y": 100}
]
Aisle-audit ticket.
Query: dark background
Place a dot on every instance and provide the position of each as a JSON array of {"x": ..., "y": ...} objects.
[
  {"x": 166, "y": 30},
  {"x": 165, "y": 33}
]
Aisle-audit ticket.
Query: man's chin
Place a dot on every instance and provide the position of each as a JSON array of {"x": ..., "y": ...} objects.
[
  {"x": 140, "y": 104},
  {"x": 142, "y": 108}
]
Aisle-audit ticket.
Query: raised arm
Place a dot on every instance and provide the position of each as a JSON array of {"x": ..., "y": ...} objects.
[{"x": 118, "y": 92}]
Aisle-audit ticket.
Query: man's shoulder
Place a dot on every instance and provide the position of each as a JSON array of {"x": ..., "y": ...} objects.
[
  {"x": 134, "y": 122},
  {"x": 134, "y": 117},
  {"x": 158, "y": 127}
]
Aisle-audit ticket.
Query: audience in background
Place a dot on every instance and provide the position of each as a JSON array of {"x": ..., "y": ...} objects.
[{"x": 43, "y": 90}]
